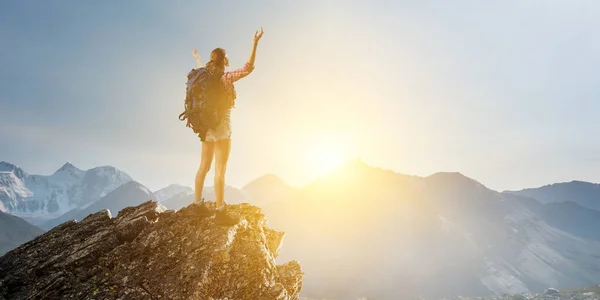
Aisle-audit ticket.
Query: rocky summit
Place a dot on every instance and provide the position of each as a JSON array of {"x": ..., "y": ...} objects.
[{"x": 147, "y": 252}]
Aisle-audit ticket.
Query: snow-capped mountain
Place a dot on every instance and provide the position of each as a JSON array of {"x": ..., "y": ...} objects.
[
  {"x": 7, "y": 167},
  {"x": 390, "y": 235},
  {"x": 172, "y": 190},
  {"x": 131, "y": 193},
  {"x": 52, "y": 195},
  {"x": 12, "y": 187}
]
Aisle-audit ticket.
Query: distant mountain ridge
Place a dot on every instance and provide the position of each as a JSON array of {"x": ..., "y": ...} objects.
[
  {"x": 178, "y": 201},
  {"x": 394, "y": 235},
  {"x": 130, "y": 193},
  {"x": 266, "y": 189},
  {"x": 259, "y": 192},
  {"x": 14, "y": 232},
  {"x": 171, "y": 191},
  {"x": 360, "y": 223},
  {"x": 583, "y": 193},
  {"x": 67, "y": 188}
]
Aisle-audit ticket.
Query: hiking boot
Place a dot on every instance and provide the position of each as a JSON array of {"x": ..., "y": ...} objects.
[
  {"x": 222, "y": 217},
  {"x": 203, "y": 208}
]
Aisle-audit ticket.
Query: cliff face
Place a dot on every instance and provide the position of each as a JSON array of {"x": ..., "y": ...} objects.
[{"x": 148, "y": 253}]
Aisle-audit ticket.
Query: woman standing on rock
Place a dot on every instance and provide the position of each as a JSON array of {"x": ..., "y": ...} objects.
[{"x": 218, "y": 140}]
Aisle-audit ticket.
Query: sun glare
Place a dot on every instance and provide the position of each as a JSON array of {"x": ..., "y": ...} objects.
[{"x": 326, "y": 155}]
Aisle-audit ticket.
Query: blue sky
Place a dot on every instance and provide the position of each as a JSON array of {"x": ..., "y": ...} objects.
[{"x": 505, "y": 92}]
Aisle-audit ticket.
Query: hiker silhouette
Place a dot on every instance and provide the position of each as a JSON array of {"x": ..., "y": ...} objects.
[{"x": 210, "y": 96}]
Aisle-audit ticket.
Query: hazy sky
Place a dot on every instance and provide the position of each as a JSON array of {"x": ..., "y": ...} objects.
[{"x": 506, "y": 92}]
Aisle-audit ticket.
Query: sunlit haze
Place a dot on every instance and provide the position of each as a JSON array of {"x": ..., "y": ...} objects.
[
  {"x": 379, "y": 149},
  {"x": 505, "y": 91}
]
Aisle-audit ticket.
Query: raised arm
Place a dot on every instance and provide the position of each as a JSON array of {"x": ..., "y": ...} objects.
[
  {"x": 257, "y": 37},
  {"x": 195, "y": 54},
  {"x": 238, "y": 74}
]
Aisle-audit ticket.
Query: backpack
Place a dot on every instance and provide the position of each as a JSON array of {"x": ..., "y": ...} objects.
[{"x": 204, "y": 96}]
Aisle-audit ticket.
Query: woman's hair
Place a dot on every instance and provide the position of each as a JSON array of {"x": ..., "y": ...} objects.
[{"x": 216, "y": 64}]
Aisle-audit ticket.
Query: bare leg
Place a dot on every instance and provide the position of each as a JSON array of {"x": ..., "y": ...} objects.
[
  {"x": 222, "y": 149},
  {"x": 208, "y": 151}
]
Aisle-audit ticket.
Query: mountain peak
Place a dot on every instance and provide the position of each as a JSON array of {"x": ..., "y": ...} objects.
[
  {"x": 357, "y": 168},
  {"x": 5, "y": 163},
  {"x": 449, "y": 175},
  {"x": 584, "y": 193},
  {"x": 68, "y": 168},
  {"x": 584, "y": 183},
  {"x": 269, "y": 179},
  {"x": 355, "y": 163},
  {"x": 172, "y": 190},
  {"x": 453, "y": 178},
  {"x": 102, "y": 169},
  {"x": 190, "y": 251},
  {"x": 133, "y": 185},
  {"x": 8, "y": 167},
  {"x": 177, "y": 186},
  {"x": 559, "y": 185},
  {"x": 107, "y": 172}
]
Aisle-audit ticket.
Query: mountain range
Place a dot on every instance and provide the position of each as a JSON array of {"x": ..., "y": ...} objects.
[
  {"x": 362, "y": 231},
  {"x": 53, "y": 195},
  {"x": 370, "y": 232},
  {"x": 583, "y": 193},
  {"x": 130, "y": 193}
]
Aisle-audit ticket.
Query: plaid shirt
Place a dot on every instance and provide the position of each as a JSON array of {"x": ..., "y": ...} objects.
[{"x": 230, "y": 77}]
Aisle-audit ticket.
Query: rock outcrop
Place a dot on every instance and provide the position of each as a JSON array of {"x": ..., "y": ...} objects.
[{"x": 148, "y": 253}]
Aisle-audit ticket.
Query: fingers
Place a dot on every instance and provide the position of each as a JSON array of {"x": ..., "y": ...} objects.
[{"x": 258, "y": 34}]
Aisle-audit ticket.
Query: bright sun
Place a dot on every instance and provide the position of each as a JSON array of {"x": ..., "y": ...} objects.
[{"x": 325, "y": 155}]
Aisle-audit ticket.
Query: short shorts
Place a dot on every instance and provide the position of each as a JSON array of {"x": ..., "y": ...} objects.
[{"x": 222, "y": 131}]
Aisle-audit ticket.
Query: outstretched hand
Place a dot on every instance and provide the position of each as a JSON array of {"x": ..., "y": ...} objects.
[
  {"x": 258, "y": 35},
  {"x": 195, "y": 54}
]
